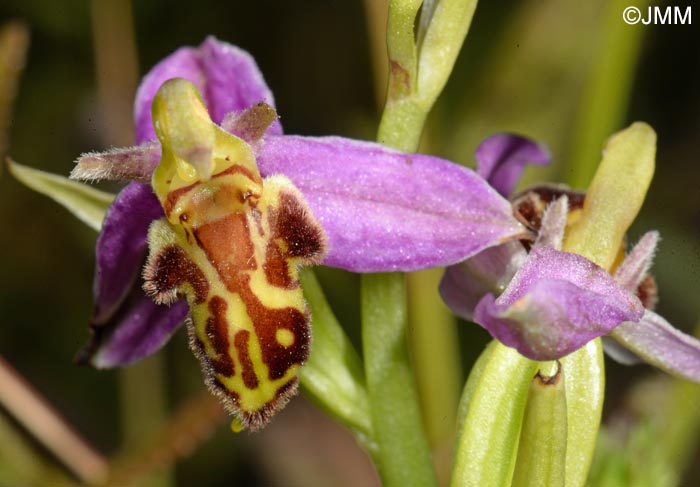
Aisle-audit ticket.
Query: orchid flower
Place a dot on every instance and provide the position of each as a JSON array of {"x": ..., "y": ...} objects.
[
  {"x": 359, "y": 206},
  {"x": 544, "y": 298}
]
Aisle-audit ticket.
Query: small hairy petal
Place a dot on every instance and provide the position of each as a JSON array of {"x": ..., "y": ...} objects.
[
  {"x": 121, "y": 248},
  {"x": 227, "y": 77},
  {"x": 138, "y": 329},
  {"x": 387, "y": 211},
  {"x": 638, "y": 262},
  {"x": 121, "y": 164},
  {"x": 464, "y": 284},
  {"x": 501, "y": 159},
  {"x": 250, "y": 124},
  {"x": 555, "y": 304},
  {"x": 551, "y": 233},
  {"x": 655, "y": 341}
]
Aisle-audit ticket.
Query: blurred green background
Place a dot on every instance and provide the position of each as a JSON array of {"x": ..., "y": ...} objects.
[{"x": 568, "y": 73}]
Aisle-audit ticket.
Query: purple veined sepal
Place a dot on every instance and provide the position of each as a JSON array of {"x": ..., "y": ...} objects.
[
  {"x": 138, "y": 329},
  {"x": 126, "y": 324},
  {"x": 655, "y": 341},
  {"x": 384, "y": 210},
  {"x": 501, "y": 159}
]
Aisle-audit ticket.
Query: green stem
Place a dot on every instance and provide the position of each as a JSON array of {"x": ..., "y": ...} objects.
[
  {"x": 404, "y": 456},
  {"x": 607, "y": 92},
  {"x": 398, "y": 125}
]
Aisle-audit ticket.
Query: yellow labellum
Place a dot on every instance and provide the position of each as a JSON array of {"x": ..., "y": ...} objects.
[{"x": 230, "y": 243}]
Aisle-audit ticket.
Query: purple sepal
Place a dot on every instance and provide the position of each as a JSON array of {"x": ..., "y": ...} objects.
[
  {"x": 138, "y": 329},
  {"x": 501, "y": 159},
  {"x": 655, "y": 341},
  {"x": 227, "y": 77},
  {"x": 384, "y": 210},
  {"x": 122, "y": 248},
  {"x": 127, "y": 325},
  {"x": 555, "y": 304},
  {"x": 616, "y": 351}
]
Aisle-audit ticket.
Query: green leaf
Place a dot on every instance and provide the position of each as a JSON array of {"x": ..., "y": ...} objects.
[
  {"x": 87, "y": 203},
  {"x": 493, "y": 405},
  {"x": 333, "y": 375},
  {"x": 404, "y": 457}
]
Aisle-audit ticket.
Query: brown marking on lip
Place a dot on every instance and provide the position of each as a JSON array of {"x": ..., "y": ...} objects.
[
  {"x": 238, "y": 169},
  {"x": 276, "y": 268},
  {"x": 240, "y": 341},
  {"x": 168, "y": 270},
  {"x": 217, "y": 332},
  {"x": 266, "y": 322},
  {"x": 174, "y": 196},
  {"x": 299, "y": 230},
  {"x": 230, "y": 260},
  {"x": 230, "y": 398},
  {"x": 228, "y": 246}
]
